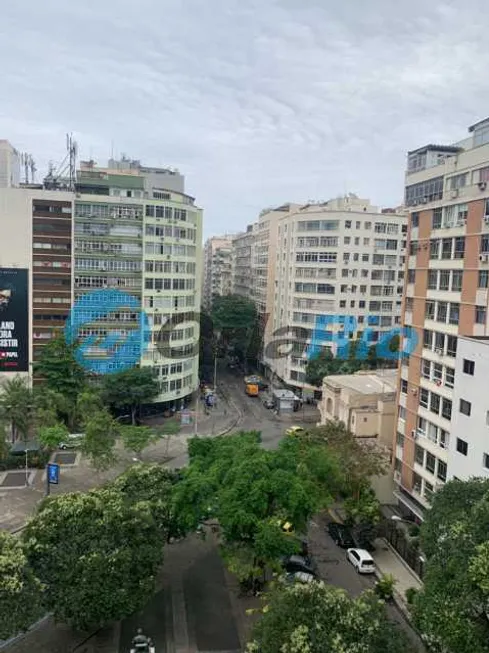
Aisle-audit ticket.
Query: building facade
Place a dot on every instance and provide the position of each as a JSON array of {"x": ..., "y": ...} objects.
[
  {"x": 365, "y": 402},
  {"x": 446, "y": 298},
  {"x": 218, "y": 272},
  {"x": 345, "y": 259},
  {"x": 9, "y": 165},
  {"x": 243, "y": 246},
  {"x": 120, "y": 229},
  {"x": 468, "y": 449}
]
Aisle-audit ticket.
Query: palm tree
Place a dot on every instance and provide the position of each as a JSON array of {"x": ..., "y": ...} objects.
[{"x": 16, "y": 404}]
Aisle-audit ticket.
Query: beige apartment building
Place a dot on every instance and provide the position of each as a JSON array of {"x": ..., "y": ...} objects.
[
  {"x": 345, "y": 259},
  {"x": 218, "y": 273},
  {"x": 446, "y": 297},
  {"x": 365, "y": 402},
  {"x": 243, "y": 246}
]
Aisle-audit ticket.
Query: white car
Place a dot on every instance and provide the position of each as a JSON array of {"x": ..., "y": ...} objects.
[
  {"x": 361, "y": 560},
  {"x": 72, "y": 441}
]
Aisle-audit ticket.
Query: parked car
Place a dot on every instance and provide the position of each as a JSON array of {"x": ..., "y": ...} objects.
[
  {"x": 296, "y": 563},
  {"x": 361, "y": 560},
  {"x": 269, "y": 403},
  {"x": 294, "y": 430},
  {"x": 300, "y": 577},
  {"x": 341, "y": 535},
  {"x": 73, "y": 441}
]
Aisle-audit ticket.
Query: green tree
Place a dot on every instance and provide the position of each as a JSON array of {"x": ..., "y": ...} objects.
[
  {"x": 20, "y": 593},
  {"x": 155, "y": 485},
  {"x": 452, "y": 607},
  {"x": 235, "y": 319},
  {"x": 252, "y": 493},
  {"x": 130, "y": 389},
  {"x": 101, "y": 431},
  {"x": 363, "y": 513},
  {"x": 318, "y": 618},
  {"x": 50, "y": 437},
  {"x": 17, "y": 407},
  {"x": 137, "y": 438},
  {"x": 62, "y": 373},
  {"x": 97, "y": 555}
]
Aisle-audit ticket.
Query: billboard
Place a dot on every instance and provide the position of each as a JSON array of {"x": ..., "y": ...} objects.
[{"x": 14, "y": 320}]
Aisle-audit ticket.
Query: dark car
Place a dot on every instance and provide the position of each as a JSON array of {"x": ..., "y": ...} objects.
[
  {"x": 269, "y": 403},
  {"x": 341, "y": 535},
  {"x": 296, "y": 563}
]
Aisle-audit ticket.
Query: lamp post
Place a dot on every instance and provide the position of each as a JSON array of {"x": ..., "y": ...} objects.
[{"x": 217, "y": 335}]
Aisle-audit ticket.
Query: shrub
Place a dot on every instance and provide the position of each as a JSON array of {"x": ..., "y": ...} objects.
[
  {"x": 411, "y": 595},
  {"x": 385, "y": 586}
]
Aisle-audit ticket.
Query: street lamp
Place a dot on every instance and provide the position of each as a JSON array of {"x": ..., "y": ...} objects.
[{"x": 217, "y": 336}]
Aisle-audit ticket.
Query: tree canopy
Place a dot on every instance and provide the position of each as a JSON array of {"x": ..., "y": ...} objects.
[
  {"x": 137, "y": 438},
  {"x": 130, "y": 389},
  {"x": 97, "y": 555},
  {"x": 317, "y": 618},
  {"x": 101, "y": 431},
  {"x": 453, "y": 606},
  {"x": 61, "y": 372},
  {"x": 17, "y": 407},
  {"x": 20, "y": 592},
  {"x": 359, "y": 356},
  {"x": 236, "y": 320}
]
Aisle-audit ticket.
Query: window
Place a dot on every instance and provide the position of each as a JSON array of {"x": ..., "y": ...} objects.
[
  {"x": 449, "y": 377},
  {"x": 342, "y": 303},
  {"x": 428, "y": 191},
  {"x": 414, "y": 220},
  {"x": 468, "y": 367},
  {"x": 432, "y": 279},
  {"x": 441, "y": 314},
  {"x": 411, "y": 276},
  {"x": 446, "y": 409},
  {"x": 480, "y": 314},
  {"x": 484, "y": 244},
  {"x": 441, "y": 472},
  {"x": 423, "y": 397},
  {"x": 435, "y": 403},
  {"x": 465, "y": 407},
  {"x": 451, "y": 346},
  {"x": 457, "y": 277},
  {"x": 430, "y": 462},
  {"x": 454, "y": 314},
  {"x": 485, "y": 461},
  {"x": 436, "y": 218},
  {"x": 430, "y": 310},
  {"x": 347, "y": 224},
  {"x": 347, "y": 240},
  {"x": 404, "y": 386},
  {"x": 365, "y": 258},
  {"x": 483, "y": 279},
  {"x": 444, "y": 279},
  {"x": 446, "y": 248},
  {"x": 402, "y": 412},
  {"x": 419, "y": 454},
  {"x": 426, "y": 369},
  {"x": 462, "y": 447},
  {"x": 459, "y": 247},
  {"x": 399, "y": 439},
  {"x": 434, "y": 248},
  {"x": 458, "y": 181}
]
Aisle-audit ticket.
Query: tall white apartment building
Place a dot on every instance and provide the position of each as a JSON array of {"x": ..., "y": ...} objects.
[
  {"x": 441, "y": 426},
  {"x": 343, "y": 257},
  {"x": 218, "y": 274},
  {"x": 243, "y": 246}
]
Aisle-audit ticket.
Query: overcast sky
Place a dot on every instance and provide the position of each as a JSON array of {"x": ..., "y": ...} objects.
[{"x": 257, "y": 102}]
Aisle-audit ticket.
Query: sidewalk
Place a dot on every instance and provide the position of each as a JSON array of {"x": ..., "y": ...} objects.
[{"x": 18, "y": 505}]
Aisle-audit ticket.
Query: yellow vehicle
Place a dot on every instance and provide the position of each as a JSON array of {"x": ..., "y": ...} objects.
[
  {"x": 294, "y": 430},
  {"x": 252, "y": 390}
]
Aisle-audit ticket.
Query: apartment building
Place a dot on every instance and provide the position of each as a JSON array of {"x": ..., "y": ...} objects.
[
  {"x": 218, "y": 275},
  {"x": 37, "y": 236},
  {"x": 123, "y": 228},
  {"x": 446, "y": 298},
  {"x": 9, "y": 165},
  {"x": 243, "y": 246},
  {"x": 340, "y": 258},
  {"x": 365, "y": 402}
]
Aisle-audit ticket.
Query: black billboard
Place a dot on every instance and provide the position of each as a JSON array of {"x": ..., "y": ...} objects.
[{"x": 14, "y": 320}]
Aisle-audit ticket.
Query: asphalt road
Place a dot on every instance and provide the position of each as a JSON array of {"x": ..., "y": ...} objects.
[{"x": 334, "y": 568}]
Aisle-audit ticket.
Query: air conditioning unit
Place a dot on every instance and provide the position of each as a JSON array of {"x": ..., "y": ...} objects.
[
  {"x": 484, "y": 258},
  {"x": 439, "y": 351},
  {"x": 397, "y": 477},
  {"x": 482, "y": 185},
  {"x": 486, "y": 219},
  {"x": 454, "y": 193},
  {"x": 414, "y": 434}
]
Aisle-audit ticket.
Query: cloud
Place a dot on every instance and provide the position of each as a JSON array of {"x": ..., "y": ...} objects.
[{"x": 256, "y": 102}]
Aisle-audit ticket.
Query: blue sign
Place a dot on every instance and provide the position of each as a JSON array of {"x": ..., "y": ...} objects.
[
  {"x": 118, "y": 348},
  {"x": 53, "y": 473}
]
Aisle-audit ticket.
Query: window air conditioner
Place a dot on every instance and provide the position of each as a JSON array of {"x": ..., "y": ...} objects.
[
  {"x": 482, "y": 185},
  {"x": 454, "y": 193}
]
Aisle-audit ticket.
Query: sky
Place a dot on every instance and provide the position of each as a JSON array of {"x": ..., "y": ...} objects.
[{"x": 256, "y": 102}]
